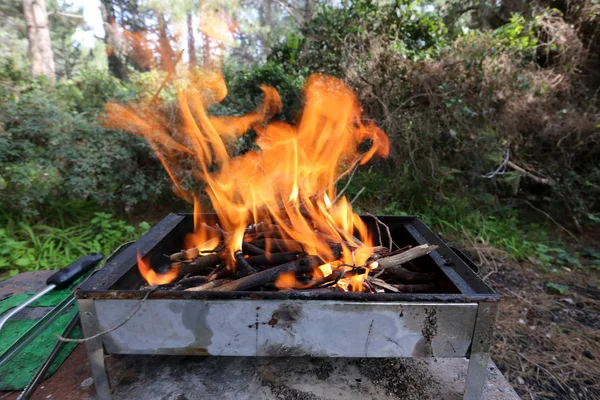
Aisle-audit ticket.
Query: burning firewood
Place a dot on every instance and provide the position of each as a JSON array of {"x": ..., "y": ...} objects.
[
  {"x": 270, "y": 260},
  {"x": 199, "y": 264},
  {"x": 304, "y": 265}
]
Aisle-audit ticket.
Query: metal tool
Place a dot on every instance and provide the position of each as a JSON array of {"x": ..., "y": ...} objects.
[{"x": 61, "y": 279}]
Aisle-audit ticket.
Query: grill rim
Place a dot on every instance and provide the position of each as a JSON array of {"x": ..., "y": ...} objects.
[{"x": 471, "y": 286}]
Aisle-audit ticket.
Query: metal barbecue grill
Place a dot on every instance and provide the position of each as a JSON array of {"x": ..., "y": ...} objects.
[{"x": 456, "y": 320}]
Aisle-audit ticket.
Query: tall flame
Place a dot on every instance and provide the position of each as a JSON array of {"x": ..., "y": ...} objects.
[{"x": 289, "y": 181}]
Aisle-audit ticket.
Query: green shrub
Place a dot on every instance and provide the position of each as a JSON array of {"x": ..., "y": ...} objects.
[
  {"x": 52, "y": 147},
  {"x": 25, "y": 246},
  {"x": 244, "y": 92}
]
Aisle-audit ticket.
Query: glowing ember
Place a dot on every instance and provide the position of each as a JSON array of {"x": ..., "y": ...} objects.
[{"x": 290, "y": 181}]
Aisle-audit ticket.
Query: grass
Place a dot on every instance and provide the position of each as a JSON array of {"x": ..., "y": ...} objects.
[
  {"x": 26, "y": 245},
  {"x": 69, "y": 231}
]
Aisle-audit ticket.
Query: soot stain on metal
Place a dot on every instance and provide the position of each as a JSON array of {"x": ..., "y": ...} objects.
[
  {"x": 195, "y": 319},
  {"x": 429, "y": 330},
  {"x": 369, "y": 338},
  {"x": 285, "y": 315}
]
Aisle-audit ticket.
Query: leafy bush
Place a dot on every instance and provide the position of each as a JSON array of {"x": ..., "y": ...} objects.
[
  {"x": 244, "y": 92},
  {"x": 338, "y": 38},
  {"x": 455, "y": 107},
  {"x": 25, "y": 246},
  {"x": 52, "y": 147}
]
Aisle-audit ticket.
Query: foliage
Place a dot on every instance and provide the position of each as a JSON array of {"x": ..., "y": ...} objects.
[
  {"x": 340, "y": 37},
  {"x": 243, "y": 87},
  {"x": 556, "y": 288},
  {"x": 32, "y": 246},
  {"x": 52, "y": 147},
  {"x": 481, "y": 226},
  {"x": 457, "y": 104}
]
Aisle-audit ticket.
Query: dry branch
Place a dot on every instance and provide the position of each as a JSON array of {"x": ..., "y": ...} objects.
[
  {"x": 199, "y": 264},
  {"x": 243, "y": 268},
  {"x": 403, "y": 258},
  {"x": 209, "y": 285},
  {"x": 278, "y": 245},
  {"x": 251, "y": 249},
  {"x": 304, "y": 265},
  {"x": 273, "y": 259}
]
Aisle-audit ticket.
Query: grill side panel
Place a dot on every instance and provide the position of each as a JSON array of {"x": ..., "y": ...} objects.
[{"x": 288, "y": 328}]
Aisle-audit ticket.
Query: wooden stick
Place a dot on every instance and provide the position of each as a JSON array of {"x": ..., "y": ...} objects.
[
  {"x": 209, "y": 285},
  {"x": 274, "y": 258},
  {"x": 304, "y": 265},
  {"x": 243, "y": 268},
  {"x": 402, "y": 258},
  {"x": 382, "y": 284},
  {"x": 220, "y": 272},
  {"x": 251, "y": 249},
  {"x": 199, "y": 265},
  {"x": 543, "y": 181},
  {"x": 187, "y": 254},
  {"x": 278, "y": 245}
]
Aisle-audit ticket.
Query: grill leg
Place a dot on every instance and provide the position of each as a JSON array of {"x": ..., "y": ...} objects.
[
  {"x": 95, "y": 349},
  {"x": 480, "y": 350}
]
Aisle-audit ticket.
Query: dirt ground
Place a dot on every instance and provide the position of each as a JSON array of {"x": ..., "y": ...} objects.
[{"x": 547, "y": 345}]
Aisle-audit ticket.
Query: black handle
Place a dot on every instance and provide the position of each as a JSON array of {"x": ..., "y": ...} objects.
[{"x": 70, "y": 273}]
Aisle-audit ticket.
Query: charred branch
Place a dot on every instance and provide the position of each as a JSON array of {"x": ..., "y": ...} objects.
[
  {"x": 252, "y": 250},
  {"x": 304, "y": 265},
  {"x": 199, "y": 265},
  {"x": 243, "y": 268},
  {"x": 273, "y": 259}
]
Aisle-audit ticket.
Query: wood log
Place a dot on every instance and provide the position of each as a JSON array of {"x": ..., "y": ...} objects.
[
  {"x": 278, "y": 245},
  {"x": 220, "y": 272},
  {"x": 273, "y": 258},
  {"x": 382, "y": 284},
  {"x": 243, "y": 268},
  {"x": 250, "y": 249},
  {"x": 189, "y": 254},
  {"x": 199, "y": 265},
  {"x": 209, "y": 285},
  {"x": 402, "y": 258},
  {"x": 262, "y": 227},
  {"x": 304, "y": 265}
]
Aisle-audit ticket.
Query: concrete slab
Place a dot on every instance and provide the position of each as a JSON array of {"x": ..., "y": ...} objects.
[{"x": 242, "y": 378}]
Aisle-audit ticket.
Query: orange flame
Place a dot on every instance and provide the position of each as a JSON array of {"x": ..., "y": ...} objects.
[
  {"x": 152, "y": 277},
  {"x": 286, "y": 280},
  {"x": 290, "y": 181}
]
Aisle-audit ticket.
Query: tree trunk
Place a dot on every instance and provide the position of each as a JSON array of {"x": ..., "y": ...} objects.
[
  {"x": 115, "y": 63},
  {"x": 309, "y": 8},
  {"x": 191, "y": 41},
  {"x": 38, "y": 35},
  {"x": 206, "y": 53},
  {"x": 266, "y": 20},
  {"x": 166, "y": 51}
]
